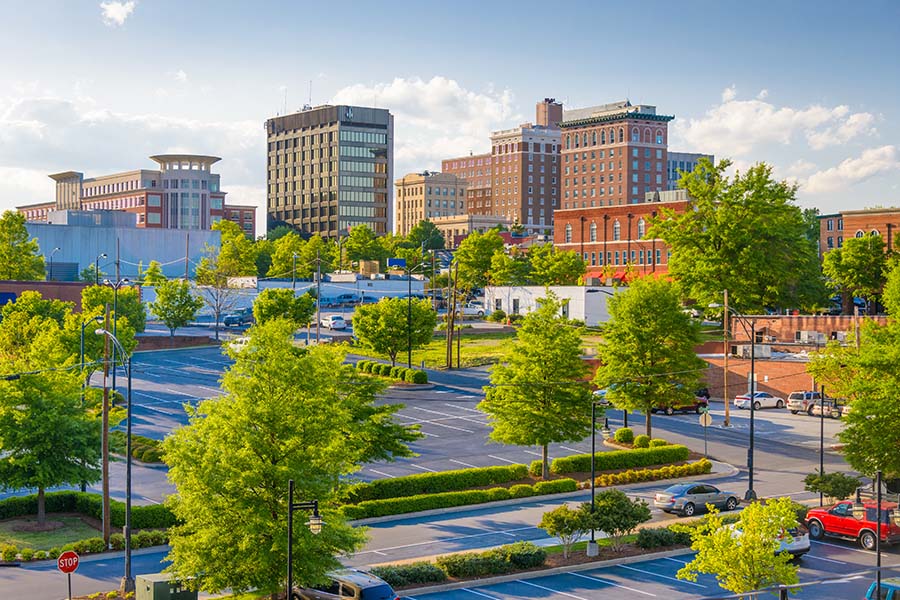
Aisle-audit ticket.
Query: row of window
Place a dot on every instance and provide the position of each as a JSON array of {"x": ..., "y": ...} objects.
[
  {"x": 347, "y": 210},
  {"x": 114, "y": 188},
  {"x": 829, "y": 224},
  {"x": 197, "y": 184},
  {"x": 358, "y": 151},
  {"x": 366, "y": 137},
  {"x": 616, "y": 230},
  {"x": 638, "y": 257},
  {"x": 575, "y": 140}
]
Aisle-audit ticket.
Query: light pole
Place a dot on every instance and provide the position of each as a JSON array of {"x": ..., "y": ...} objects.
[
  {"x": 115, "y": 285},
  {"x": 315, "y": 527},
  {"x": 84, "y": 324},
  {"x": 409, "y": 272},
  {"x": 592, "y": 549},
  {"x": 127, "y": 580},
  {"x": 52, "y": 252},
  {"x": 97, "y": 267},
  {"x": 750, "y": 494},
  {"x": 822, "y": 442},
  {"x": 294, "y": 271}
]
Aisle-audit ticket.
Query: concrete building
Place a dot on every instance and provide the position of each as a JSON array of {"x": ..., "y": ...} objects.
[
  {"x": 84, "y": 236},
  {"x": 682, "y": 161},
  {"x": 427, "y": 195},
  {"x": 837, "y": 227},
  {"x": 456, "y": 228},
  {"x": 330, "y": 168},
  {"x": 588, "y": 304},
  {"x": 476, "y": 170},
  {"x": 182, "y": 194}
]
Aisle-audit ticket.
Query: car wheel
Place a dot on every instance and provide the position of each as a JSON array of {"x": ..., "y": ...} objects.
[
  {"x": 731, "y": 503},
  {"x": 867, "y": 540},
  {"x": 757, "y": 405},
  {"x": 670, "y": 411},
  {"x": 697, "y": 409},
  {"x": 779, "y": 404},
  {"x": 809, "y": 410},
  {"x": 688, "y": 509},
  {"x": 816, "y": 531},
  {"x": 794, "y": 412}
]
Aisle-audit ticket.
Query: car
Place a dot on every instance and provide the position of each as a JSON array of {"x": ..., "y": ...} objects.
[
  {"x": 470, "y": 309},
  {"x": 794, "y": 541},
  {"x": 760, "y": 400},
  {"x": 600, "y": 397},
  {"x": 239, "y": 343},
  {"x": 686, "y": 498},
  {"x": 802, "y": 402},
  {"x": 838, "y": 520},
  {"x": 334, "y": 322},
  {"x": 348, "y": 584},
  {"x": 370, "y": 299},
  {"x": 832, "y": 408},
  {"x": 347, "y": 299},
  {"x": 240, "y": 317},
  {"x": 890, "y": 589},
  {"x": 696, "y": 406}
]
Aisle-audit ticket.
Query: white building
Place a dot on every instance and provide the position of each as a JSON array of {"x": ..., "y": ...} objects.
[{"x": 586, "y": 304}]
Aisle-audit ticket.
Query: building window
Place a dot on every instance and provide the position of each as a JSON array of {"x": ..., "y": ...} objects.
[
  {"x": 593, "y": 232},
  {"x": 829, "y": 225},
  {"x": 568, "y": 233},
  {"x": 659, "y": 136},
  {"x": 830, "y": 242},
  {"x": 860, "y": 233},
  {"x": 617, "y": 232},
  {"x": 153, "y": 218},
  {"x": 840, "y": 241},
  {"x": 642, "y": 228}
]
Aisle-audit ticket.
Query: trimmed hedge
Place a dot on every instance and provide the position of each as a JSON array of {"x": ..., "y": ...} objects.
[
  {"x": 642, "y": 441},
  {"x": 410, "y": 574},
  {"x": 143, "y": 448},
  {"x": 154, "y": 516},
  {"x": 657, "y": 442},
  {"x": 661, "y": 537},
  {"x": 701, "y": 467},
  {"x": 497, "y": 561},
  {"x": 396, "y": 372},
  {"x": 430, "y": 483},
  {"x": 620, "y": 459},
  {"x": 624, "y": 435},
  {"x": 555, "y": 486}
]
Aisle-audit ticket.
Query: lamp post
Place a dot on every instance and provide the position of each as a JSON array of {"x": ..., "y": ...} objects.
[
  {"x": 294, "y": 271},
  {"x": 859, "y": 512},
  {"x": 97, "y": 267},
  {"x": 822, "y": 442},
  {"x": 592, "y": 549},
  {"x": 84, "y": 325},
  {"x": 52, "y": 252},
  {"x": 751, "y": 493},
  {"x": 314, "y": 524},
  {"x": 115, "y": 285},
  {"x": 409, "y": 272},
  {"x": 127, "y": 580}
]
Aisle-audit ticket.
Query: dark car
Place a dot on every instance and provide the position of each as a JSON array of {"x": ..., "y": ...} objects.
[
  {"x": 347, "y": 299},
  {"x": 240, "y": 317},
  {"x": 686, "y": 498},
  {"x": 701, "y": 401},
  {"x": 348, "y": 584}
]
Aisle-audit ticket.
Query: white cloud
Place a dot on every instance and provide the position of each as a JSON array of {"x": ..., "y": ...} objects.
[
  {"x": 872, "y": 162},
  {"x": 180, "y": 76},
  {"x": 434, "y": 119},
  {"x": 116, "y": 13},
  {"x": 738, "y": 127}
]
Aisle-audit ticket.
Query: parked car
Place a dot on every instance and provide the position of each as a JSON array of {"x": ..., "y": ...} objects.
[
  {"x": 838, "y": 521},
  {"x": 240, "y": 317},
  {"x": 347, "y": 299},
  {"x": 370, "y": 299},
  {"x": 832, "y": 407},
  {"x": 334, "y": 322},
  {"x": 890, "y": 589},
  {"x": 686, "y": 498},
  {"x": 696, "y": 406},
  {"x": 760, "y": 400},
  {"x": 238, "y": 344},
  {"x": 600, "y": 397},
  {"x": 348, "y": 584},
  {"x": 890, "y": 490},
  {"x": 799, "y": 402},
  {"x": 470, "y": 309},
  {"x": 794, "y": 541}
]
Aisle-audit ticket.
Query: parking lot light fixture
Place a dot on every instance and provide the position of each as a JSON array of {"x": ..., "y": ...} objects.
[{"x": 315, "y": 524}]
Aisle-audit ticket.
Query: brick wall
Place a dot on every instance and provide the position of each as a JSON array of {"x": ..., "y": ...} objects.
[
  {"x": 778, "y": 377},
  {"x": 784, "y": 328}
]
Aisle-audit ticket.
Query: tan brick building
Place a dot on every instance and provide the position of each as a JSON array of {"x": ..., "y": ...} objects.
[
  {"x": 427, "y": 196},
  {"x": 456, "y": 228},
  {"x": 837, "y": 227}
]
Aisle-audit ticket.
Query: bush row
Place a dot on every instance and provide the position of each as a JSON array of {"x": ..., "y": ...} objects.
[
  {"x": 396, "y": 372},
  {"x": 701, "y": 467},
  {"x": 430, "y": 483},
  {"x": 154, "y": 516},
  {"x": 141, "y": 539},
  {"x": 616, "y": 459},
  {"x": 660, "y": 537},
  {"x": 143, "y": 448},
  {"x": 396, "y": 506}
]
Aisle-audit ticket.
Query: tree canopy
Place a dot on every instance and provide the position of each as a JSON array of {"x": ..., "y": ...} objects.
[
  {"x": 474, "y": 256},
  {"x": 154, "y": 274},
  {"x": 280, "y": 303},
  {"x": 425, "y": 234},
  {"x": 96, "y": 297},
  {"x": 382, "y": 326},
  {"x": 175, "y": 305},
  {"x": 858, "y": 268},
  {"x": 744, "y": 234},
  {"x": 20, "y": 257},
  {"x": 538, "y": 396}
]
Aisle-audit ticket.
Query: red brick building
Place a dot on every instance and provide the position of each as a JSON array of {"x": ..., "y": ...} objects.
[{"x": 835, "y": 228}]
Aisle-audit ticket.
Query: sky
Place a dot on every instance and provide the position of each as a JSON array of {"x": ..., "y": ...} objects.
[{"x": 811, "y": 88}]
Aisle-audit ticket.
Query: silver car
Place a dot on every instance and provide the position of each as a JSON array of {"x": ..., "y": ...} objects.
[{"x": 686, "y": 498}]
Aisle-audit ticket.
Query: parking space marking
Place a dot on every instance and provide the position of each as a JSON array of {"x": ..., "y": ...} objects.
[
  {"x": 384, "y": 474},
  {"x": 459, "y": 462},
  {"x": 540, "y": 587},
  {"x": 613, "y": 583},
  {"x": 477, "y": 593},
  {"x": 474, "y": 410},
  {"x": 170, "y": 390},
  {"x": 651, "y": 573},
  {"x": 537, "y": 454},
  {"x": 570, "y": 449},
  {"x": 501, "y": 459},
  {"x": 448, "y": 416},
  {"x": 450, "y": 539},
  {"x": 415, "y": 466},
  {"x": 840, "y": 562},
  {"x": 415, "y": 421},
  {"x": 866, "y": 552},
  {"x": 218, "y": 392},
  {"x": 681, "y": 562}
]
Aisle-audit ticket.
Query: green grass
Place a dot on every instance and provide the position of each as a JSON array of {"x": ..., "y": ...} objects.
[
  {"x": 475, "y": 350},
  {"x": 601, "y": 542},
  {"x": 74, "y": 529}
]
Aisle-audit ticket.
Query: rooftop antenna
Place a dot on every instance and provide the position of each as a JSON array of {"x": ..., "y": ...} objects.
[{"x": 310, "y": 93}]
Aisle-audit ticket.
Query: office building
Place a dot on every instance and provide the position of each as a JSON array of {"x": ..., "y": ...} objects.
[
  {"x": 837, "y": 227},
  {"x": 476, "y": 170},
  {"x": 330, "y": 168},
  {"x": 427, "y": 195},
  {"x": 682, "y": 161}
]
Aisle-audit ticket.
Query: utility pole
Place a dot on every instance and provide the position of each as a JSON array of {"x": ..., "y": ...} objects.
[
  {"x": 104, "y": 436},
  {"x": 318, "y": 296},
  {"x": 187, "y": 253},
  {"x": 725, "y": 330}
]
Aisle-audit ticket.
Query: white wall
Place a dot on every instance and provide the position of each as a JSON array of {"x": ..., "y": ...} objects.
[{"x": 586, "y": 304}]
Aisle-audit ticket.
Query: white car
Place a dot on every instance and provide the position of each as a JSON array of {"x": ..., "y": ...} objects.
[
  {"x": 239, "y": 343},
  {"x": 471, "y": 309},
  {"x": 793, "y": 541},
  {"x": 760, "y": 400},
  {"x": 334, "y": 322}
]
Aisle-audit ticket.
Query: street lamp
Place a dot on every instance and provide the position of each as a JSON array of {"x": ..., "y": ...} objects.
[
  {"x": 592, "y": 549},
  {"x": 84, "y": 325},
  {"x": 859, "y": 512},
  {"x": 751, "y": 494},
  {"x": 52, "y": 252},
  {"x": 97, "y": 267},
  {"x": 315, "y": 527},
  {"x": 115, "y": 285},
  {"x": 128, "y": 580},
  {"x": 409, "y": 272},
  {"x": 294, "y": 271}
]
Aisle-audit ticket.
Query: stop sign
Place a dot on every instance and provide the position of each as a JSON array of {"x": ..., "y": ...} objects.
[{"x": 67, "y": 562}]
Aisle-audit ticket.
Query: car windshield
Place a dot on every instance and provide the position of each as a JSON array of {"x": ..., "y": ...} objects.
[
  {"x": 378, "y": 592},
  {"x": 676, "y": 489}
]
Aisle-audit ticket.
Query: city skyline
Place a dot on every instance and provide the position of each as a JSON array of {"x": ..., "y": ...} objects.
[{"x": 808, "y": 89}]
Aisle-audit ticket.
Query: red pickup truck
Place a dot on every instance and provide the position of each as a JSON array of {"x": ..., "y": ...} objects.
[{"x": 838, "y": 521}]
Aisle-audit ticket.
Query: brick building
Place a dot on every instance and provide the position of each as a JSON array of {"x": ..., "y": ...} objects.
[
  {"x": 476, "y": 170},
  {"x": 427, "y": 195},
  {"x": 835, "y": 228}
]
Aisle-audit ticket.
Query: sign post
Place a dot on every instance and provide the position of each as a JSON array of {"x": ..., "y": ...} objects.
[
  {"x": 68, "y": 564},
  {"x": 705, "y": 421}
]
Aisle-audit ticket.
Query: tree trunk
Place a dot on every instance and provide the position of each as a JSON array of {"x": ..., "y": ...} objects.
[
  {"x": 545, "y": 461},
  {"x": 648, "y": 414},
  {"x": 217, "y": 326},
  {"x": 171, "y": 332},
  {"x": 42, "y": 508}
]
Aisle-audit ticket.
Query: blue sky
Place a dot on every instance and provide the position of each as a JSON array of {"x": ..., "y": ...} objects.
[{"x": 811, "y": 87}]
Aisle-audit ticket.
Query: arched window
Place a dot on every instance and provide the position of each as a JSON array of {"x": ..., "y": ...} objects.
[
  {"x": 568, "y": 142},
  {"x": 593, "y": 232},
  {"x": 635, "y": 135},
  {"x": 568, "y": 233},
  {"x": 584, "y": 139},
  {"x": 621, "y": 135},
  {"x": 603, "y": 137},
  {"x": 642, "y": 228},
  {"x": 874, "y": 232},
  {"x": 860, "y": 233},
  {"x": 659, "y": 136},
  {"x": 576, "y": 140},
  {"x": 647, "y": 135},
  {"x": 593, "y": 138},
  {"x": 617, "y": 231}
]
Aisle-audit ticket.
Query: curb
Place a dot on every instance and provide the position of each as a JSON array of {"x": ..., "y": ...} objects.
[
  {"x": 543, "y": 572},
  {"x": 98, "y": 556}
]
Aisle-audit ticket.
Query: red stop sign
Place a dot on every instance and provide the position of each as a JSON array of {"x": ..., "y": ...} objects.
[{"x": 67, "y": 562}]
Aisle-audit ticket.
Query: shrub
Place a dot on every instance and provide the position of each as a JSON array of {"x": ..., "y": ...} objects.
[
  {"x": 616, "y": 515},
  {"x": 40, "y": 555},
  {"x": 27, "y": 554},
  {"x": 555, "y": 486},
  {"x": 566, "y": 524},
  {"x": 657, "y": 442},
  {"x": 54, "y": 552},
  {"x": 521, "y": 491},
  {"x": 473, "y": 564},
  {"x": 444, "y": 481},
  {"x": 407, "y": 504},
  {"x": 88, "y": 504},
  {"x": 8, "y": 552},
  {"x": 522, "y": 555},
  {"x": 536, "y": 468},
  {"x": 117, "y": 541},
  {"x": 497, "y": 316},
  {"x": 661, "y": 537},
  {"x": 642, "y": 441},
  {"x": 397, "y": 372},
  {"x": 412, "y": 573},
  {"x": 159, "y": 537},
  {"x": 834, "y": 485},
  {"x": 420, "y": 377},
  {"x": 701, "y": 467},
  {"x": 142, "y": 539},
  {"x": 624, "y": 435},
  {"x": 408, "y": 375},
  {"x": 620, "y": 459}
]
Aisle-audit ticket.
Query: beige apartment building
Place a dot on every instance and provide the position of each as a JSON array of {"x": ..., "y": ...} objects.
[
  {"x": 427, "y": 196},
  {"x": 457, "y": 227}
]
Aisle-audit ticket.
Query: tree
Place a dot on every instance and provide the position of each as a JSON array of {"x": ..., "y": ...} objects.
[
  {"x": 175, "y": 305},
  {"x": 538, "y": 397},
  {"x": 566, "y": 524},
  {"x": 362, "y": 244},
  {"x": 20, "y": 257},
  {"x": 237, "y": 252},
  {"x": 286, "y": 413},
  {"x": 279, "y": 231},
  {"x": 513, "y": 268},
  {"x": 283, "y": 251},
  {"x": 551, "y": 266},
  {"x": 235, "y": 257},
  {"x": 264, "y": 249},
  {"x": 891, "y": 295},
  {"x": 383, "y": 326},
  {"x": 425, "y": 234},
  {"x": 154, "y": 274},
  {"x": 745, "y": 235},
  {"x": 647, "y": 354},
  {"x": 831, "y": 485},
  {"x": 275, "y": 303},
  {"x": 89, "y": 274},
  {"x": 745, "y": 558},
  {"x": 616, "y": 515},
  {"x": 857, "y": 268},
  {"x": 96, "y": 297},
  {"x": 474, "y": 256}
]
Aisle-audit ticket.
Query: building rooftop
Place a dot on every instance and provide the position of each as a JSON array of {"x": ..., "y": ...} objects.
[{"x": 610, "y": 112}]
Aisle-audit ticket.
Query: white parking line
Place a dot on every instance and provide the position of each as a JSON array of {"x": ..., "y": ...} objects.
[
  {"x": 501, "y": 459},
  {"x": 384, "y": 474},
  {"x": 459, "y": 462},
  {"x": 415, "y": 466},
  {"x": 215, "y": 391},
  {"x": 441, "y": 392},
  {"x": 681, "y": 562},
  {"x": 477, "y": 593},
  {"x": 540, "y": 587},
  {"x": 662, "y": 576},
  {"x": 448, "y": 416},
  {"x": 414, "y": 421},
  {"x": 180, "y": 393},
  {"x": 464, "y": 408},
  {"x": 571, "y": 449},
  {"x": 537, "y": 454},
  {"x": 866, "y": 552},
  {"x": 840, "y": 562},
  {"x": 608, "y": 582},
  {"x": 451, "y": 539}
]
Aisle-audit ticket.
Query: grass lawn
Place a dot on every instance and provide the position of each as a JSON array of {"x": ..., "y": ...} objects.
[
  {"x": 73, "y": 529},
  {"x": 582, "y": 545},
  {"x": 475, "y": 350}
]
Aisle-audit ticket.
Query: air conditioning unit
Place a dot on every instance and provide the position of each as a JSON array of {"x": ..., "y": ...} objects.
[{"x": 760, "y": 351}]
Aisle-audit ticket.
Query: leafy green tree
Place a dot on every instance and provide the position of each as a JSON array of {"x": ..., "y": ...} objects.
[
  {"x": 279, "y": 231},
  {"x": 286, "y": 413},
  {"x": 236, "y": 253},
  {"x": 32, "y": 303},
  {"x": 154, "y": 274},
  {"x": 566, "y": 524},
  {"x": 513, "y": 268},
  {"x": 831, "y": 485},
  {"x": 283, "y": 251},
  {"x": 538, "y": 396},
  {"x": 235, "y": 257},
  {"x": 264, "y": 250},
  {"x": 616, "y": 515},
  {"x": 474, "y": 256},
  {"x": 175, "y": 305},
  {"x": 749, "y": 560},
  {"x": 363, "y": 244},
  {"x": 20, "y": 257},
  {"x": 317, "y": 249},
  {"x": 647, "y": 356},
  {"x": 857, "y": 268},
  {"x": 96, "y": 297},
  {"x": 744, "y": 234},
  {"x": 551, "y": 266},
  {"x": 891, "y": 294},
  {"x": 89, "y": 274},
  {"x": 383, "y": 326},
  {"x": 425, "y": 233},
  {"x": 277, "y": 303}
]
